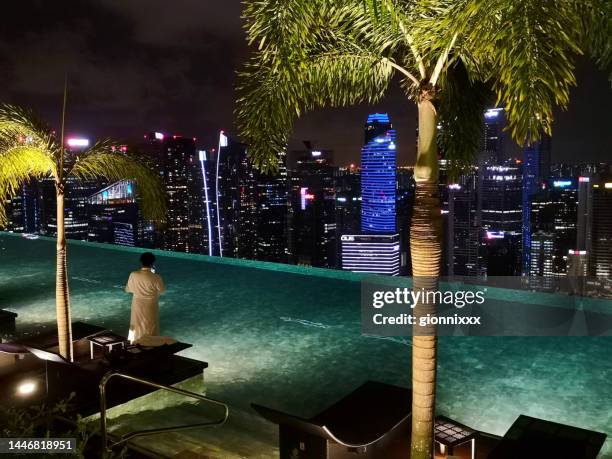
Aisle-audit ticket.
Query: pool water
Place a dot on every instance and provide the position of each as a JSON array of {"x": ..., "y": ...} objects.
[{"x": 289, "y": 338}]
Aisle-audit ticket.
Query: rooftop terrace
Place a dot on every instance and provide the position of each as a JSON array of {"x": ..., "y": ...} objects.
[{"x": 289, "y": 337}]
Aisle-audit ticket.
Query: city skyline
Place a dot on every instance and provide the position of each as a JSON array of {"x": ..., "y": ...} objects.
[{"x": 179, "y": 76}]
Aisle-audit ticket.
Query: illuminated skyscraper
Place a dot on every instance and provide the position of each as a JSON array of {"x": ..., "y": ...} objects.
[
  {"x": 493, "y": 144},
  {"x": 182, "y": 179},
  {"x": 114, "y": 217},
  {"x": 600, "y": 258},
  {"x": 377, "y": 249},
  {"x": 536, "y": 169},
  {"x": 312, "y": 218},
  {"x": 378, "y": 176},
  {"x": 371, "y": 253}
]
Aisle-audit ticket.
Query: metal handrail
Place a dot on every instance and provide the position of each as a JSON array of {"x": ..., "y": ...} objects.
[{"x": 138, "y": 433}]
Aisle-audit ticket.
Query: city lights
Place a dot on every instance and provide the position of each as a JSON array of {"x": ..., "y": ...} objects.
[{"x": 77, "y": 142}]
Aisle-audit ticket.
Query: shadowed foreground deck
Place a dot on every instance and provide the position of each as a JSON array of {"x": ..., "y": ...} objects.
[{"x": 83, "y": 376}]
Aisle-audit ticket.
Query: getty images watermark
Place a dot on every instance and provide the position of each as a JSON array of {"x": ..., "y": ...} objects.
[
  {"x": 411, "y": 298},
  {"x": 510, "y": 306}
]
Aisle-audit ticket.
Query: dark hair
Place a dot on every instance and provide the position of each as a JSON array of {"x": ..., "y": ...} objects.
[{"x": 147, "y": 259}]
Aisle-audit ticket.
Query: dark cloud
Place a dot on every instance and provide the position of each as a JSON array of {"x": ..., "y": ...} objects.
[{"x": 138, "y": 65}]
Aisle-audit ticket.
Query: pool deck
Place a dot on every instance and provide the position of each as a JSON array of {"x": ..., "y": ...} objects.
[{"x": 83, "y": 376}]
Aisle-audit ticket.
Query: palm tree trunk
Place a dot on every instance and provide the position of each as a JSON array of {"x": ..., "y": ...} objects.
[
  {"x": 425, "y": 246},
  {"x": 62, "y": 297}
]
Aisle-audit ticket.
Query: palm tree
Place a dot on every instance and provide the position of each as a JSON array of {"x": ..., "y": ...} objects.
[
  {"x": 447, "y": 55},
  {"x": 29, "y": 149}
]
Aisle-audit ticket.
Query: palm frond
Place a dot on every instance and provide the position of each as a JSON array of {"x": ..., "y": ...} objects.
[
  {"x": 19, "y": 162},
  {"x": 597, "y": 29},
  {"x": 24, "y": 123},
  {"x": 460, "y": 107},
  {"x": 346, "y": 58},
  {"x": 99, "y": 162},
  {"x": 530, "y": 45}
]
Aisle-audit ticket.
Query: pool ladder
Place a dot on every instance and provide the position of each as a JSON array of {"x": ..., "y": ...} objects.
[{"x": 139, "y": 433}]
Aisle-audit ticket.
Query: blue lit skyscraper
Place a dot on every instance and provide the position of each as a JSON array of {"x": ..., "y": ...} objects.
[
  {"x": 378, "y": 172},
  {"x": 377, "y": 249}
]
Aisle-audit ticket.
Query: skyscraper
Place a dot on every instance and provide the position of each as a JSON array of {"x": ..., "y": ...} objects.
[
  {"x": 312, "y": 218},
  {"x": 377, "y": 248},
  {"x": 492, "y": 149},
  {"x": 600, "y": 259},
  {"x": 462, "y": 232},
  {"x": 182, "y": 179},
  {"x": 271, "y": 214},
  {"x": 115, "y": 218},
  {"x": 536, "y": 169},
  {"x": 378, "y": 176}
]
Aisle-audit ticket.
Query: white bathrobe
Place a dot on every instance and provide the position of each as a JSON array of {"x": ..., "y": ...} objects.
[{"x": 146, "y": 287}]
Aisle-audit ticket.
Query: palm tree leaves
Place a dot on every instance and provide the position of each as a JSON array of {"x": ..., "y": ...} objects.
[
  {"x": 26, "y": 151},
  {"x": 18, "y": 122},
  {"x": 336, "y": 56},
  {"x": 460, "y": 106},
  {"x": 20, "y": 162},
  {"x": 101, "y": 162}
]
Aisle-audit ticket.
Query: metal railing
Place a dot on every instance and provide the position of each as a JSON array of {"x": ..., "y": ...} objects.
[{"x": 139, "y": 433}]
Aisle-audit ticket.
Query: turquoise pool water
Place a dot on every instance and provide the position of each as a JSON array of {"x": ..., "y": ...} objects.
[{"x": 289, "y": 337}]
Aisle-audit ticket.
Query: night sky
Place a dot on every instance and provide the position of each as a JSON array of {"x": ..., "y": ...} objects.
[{"x": 136, "y": 66}]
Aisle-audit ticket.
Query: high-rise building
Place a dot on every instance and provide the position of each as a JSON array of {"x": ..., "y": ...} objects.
[
  {"x": 554, "y": 211},
  {"x": 312, "y": 218},
  {"x": 464, "y": 256},
  {"x": 377, "y": 248},
  {"x": 492, "y": 149},
  {"x": 230, "y": 198},
  {"x": 378, "y": 176},
  {"x": 115, "y": 218},
  {"x": 584, "y": 224},
  {"x": 600, "y": 258},
  {"x": 181, "y": 174},
  {"x": 500, "y": 198},
  {"x": 536, "y": 169},
  {"x": 270, "y": 217},
  {"x": 371, "y": 253}
]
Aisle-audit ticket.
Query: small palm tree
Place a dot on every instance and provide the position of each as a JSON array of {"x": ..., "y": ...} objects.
[
  {"x": 30, "y": 149},
  {"x": 447, "y": 55}
]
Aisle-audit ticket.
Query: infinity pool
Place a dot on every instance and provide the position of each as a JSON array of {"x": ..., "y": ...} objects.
[{"x": 289, "y": 338}]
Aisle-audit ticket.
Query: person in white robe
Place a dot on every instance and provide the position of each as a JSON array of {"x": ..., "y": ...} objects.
[{"x": 146, "y": 286}]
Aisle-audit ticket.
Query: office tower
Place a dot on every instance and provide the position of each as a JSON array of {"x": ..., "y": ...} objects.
[
  {"x": 115, "y": 218},
  {"x": 492, "y": 149},
  {"x": 348, "y": 203},
  {"x": 235, "y": 195},
  {"x": 371, "y": 253},
  {"x": 271, "y": 204},
  {"x": 377, "y": 248},
  {"x": 554, "y": 211},
  {"x": 348, "y": 200},
  {"x": 378, "y": 176},
  {"x": 312, "y": 234},
  {"x": 584, "y": 230},
  {"x": 182, "y": 180},
  {"x": 405, "y": 202},
  {"x": 208, "y": 209},
  {"x": 600, "y": 258},
  {"x": 76, "y": 218},
  {"x": 536, "y": 169},
  {"x": 541, "y": 270},
  {"x": 501, "y": 253},
  {"x": 500, "y": 193},
  {"x": 463, "y": 253}
]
